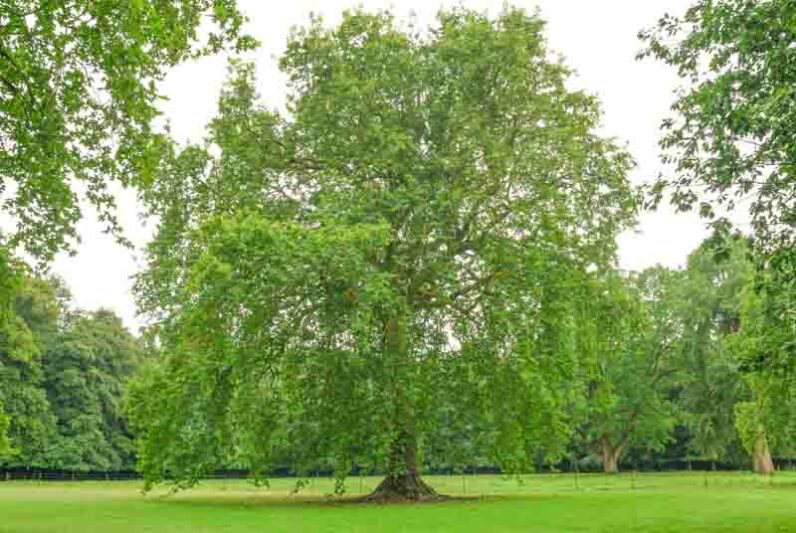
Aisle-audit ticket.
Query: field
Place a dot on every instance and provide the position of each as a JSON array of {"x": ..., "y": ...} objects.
[{"x": 693, "y": 501}]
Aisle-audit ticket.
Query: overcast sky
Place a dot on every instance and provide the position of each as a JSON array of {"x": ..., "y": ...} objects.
[{"x": 597, "y": 39}]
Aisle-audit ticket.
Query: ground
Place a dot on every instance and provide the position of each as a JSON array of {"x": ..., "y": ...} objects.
[{"x": 692, "y": 501}]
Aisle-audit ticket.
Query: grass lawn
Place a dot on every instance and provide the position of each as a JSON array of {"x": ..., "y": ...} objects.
[{"x": 691, "y": 501}]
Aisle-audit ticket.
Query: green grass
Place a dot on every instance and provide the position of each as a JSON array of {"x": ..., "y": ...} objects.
[{"x": 650, "y": 502}]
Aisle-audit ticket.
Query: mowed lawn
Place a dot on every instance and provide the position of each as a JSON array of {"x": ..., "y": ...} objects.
[{"x": 691, "y": 501}]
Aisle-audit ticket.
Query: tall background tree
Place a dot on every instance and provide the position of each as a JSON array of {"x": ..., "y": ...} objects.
[
  {"x": 765, "y": 347},
  {"x": 404, "y": 244},
  {"x": 631, "y": 340},
  {"x": 709, "y": 309},
  {"x": 62, "y": 374},
  {"x": 22, "y": 393},
  {"x": 85, "y": 371}
]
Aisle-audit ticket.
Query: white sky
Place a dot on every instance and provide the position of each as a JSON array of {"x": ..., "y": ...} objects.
[{"x": 597, "y": 38}]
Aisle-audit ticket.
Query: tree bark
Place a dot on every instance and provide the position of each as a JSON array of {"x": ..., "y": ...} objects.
[
  {"x": 763, "y": 464},
  {"x": 610, "y": 456},
  {"x": 403, "y": 482}
]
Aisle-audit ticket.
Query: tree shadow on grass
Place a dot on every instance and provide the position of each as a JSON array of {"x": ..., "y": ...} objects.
[{"x": 239, "y": 500}]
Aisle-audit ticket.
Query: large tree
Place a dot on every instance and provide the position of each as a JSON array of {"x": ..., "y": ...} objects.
[
  {"x": 403, "y": 243},
  {"x": 78, "y": 94},
  {"x": 765, "y": 347}
]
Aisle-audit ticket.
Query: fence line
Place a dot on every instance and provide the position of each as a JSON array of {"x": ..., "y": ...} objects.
[{"x": 48, "y": 474}]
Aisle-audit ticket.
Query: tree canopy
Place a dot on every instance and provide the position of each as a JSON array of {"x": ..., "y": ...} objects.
[
  {"x": 731, "y": 138},
  {"x": 78, "y": 94},
  {"x": 631, "y": 342},
  {"x": 405, "y": 241}
]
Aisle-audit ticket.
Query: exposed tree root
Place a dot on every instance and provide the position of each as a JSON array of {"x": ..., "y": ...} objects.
[{"x": 404, "y": 488}]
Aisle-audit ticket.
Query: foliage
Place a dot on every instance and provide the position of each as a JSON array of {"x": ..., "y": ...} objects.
[
  {"x": 85, "y": 372},
  {"x": 632, "y": 338},
  {"x": 709, "y": 308},
  {"x": 732, "y": 137},
  {"x": 766, "y": 348},
  {"x": 61, "y": 381},
  {"x": 402, "y": 246},
  {"x": 5, "y": 444},
  {"x": 77, "y": 99},
  {"x": 32, "y": 425},
  {"x": 9, "y": 284}
]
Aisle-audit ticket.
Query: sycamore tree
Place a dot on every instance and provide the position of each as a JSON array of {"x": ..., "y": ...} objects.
[
  {"x": 85, "y": 369},
  {"x": 629, "y": 338},
  {"x": 401, "y": 245}
]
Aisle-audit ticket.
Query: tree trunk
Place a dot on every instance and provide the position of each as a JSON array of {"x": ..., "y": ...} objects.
[
  {"x": 610, "y": 456},
  {"x": 763, "y": 463},
  {"x": 403, "y": 482}
]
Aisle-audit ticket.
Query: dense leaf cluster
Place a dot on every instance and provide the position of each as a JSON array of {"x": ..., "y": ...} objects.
[
  {"x": 78, "y": 95},
  {"x": 62, "y": 375},
  {"x": 731, "y": 137}
]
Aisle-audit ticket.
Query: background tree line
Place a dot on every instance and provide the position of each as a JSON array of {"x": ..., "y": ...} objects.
[{"x": 62, "y": 376}]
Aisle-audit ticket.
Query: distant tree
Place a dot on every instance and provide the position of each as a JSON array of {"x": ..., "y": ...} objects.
[
  {"x": 632, "y": 338},
  {"x": 32, "y": 427},
  {"x": 709, "y": 308},
  {"x": 77, "y": 99},
  {"x": 85, "y": 370},
  {"x": 732, "y": 136},
  {"x": 765, "y": 347},
  {"x": 62, "y": 375},
  {"x": 6, "y": 450},
  {"x": 407, "y": 243}
]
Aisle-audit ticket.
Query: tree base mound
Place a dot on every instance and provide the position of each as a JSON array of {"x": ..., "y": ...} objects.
[{"x": 404, "y": 488}]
